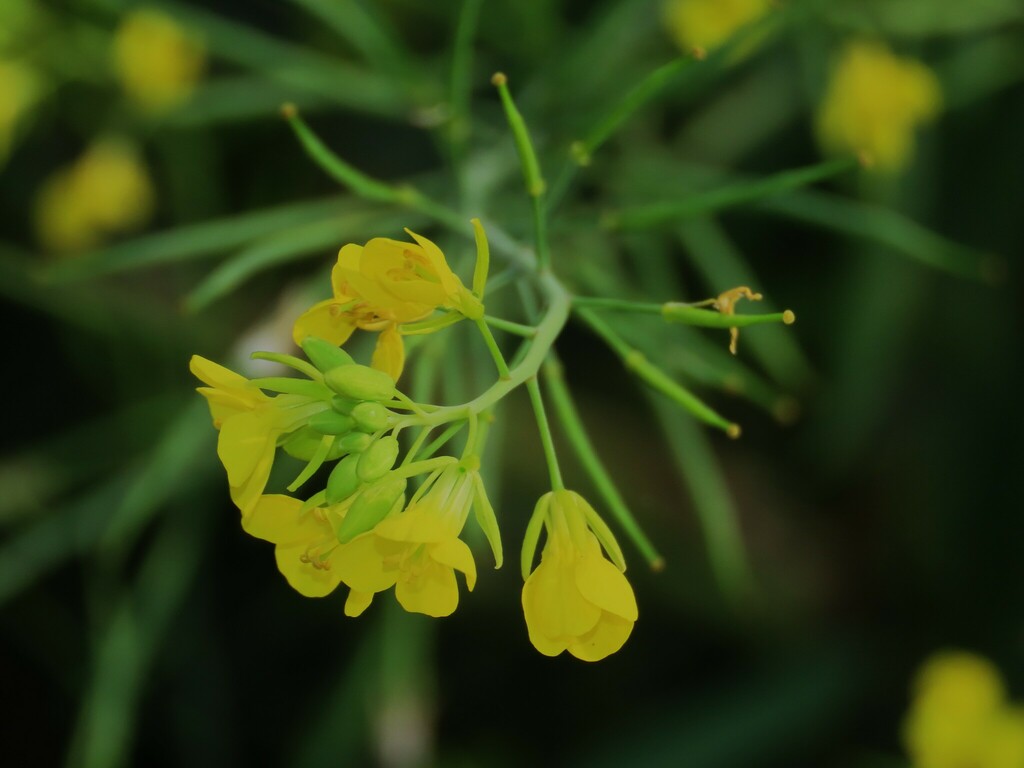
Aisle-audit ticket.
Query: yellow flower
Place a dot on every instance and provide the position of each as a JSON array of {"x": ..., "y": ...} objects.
[
  {"x": 380, "y": 286},
  {"x": 250, "y": 425},
  {"x": 157, "y": 61},
  {"x": 959, "y": 716},
  {"x": 20, "y": 88},
  {"x": 306, "y": 548},
  {"x": 106, "y": 190},
  {"x": 417, "y": 551},
  {"x": 703, "y": 24},
  {"x": 576, "y": 599},
  {"x": 874, "y": 102}
]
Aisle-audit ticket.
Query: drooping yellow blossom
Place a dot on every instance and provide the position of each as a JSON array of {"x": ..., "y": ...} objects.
[
  {"x": 417, "y": 551},
  {"x": 157, "y": 61},
  {"x": 20, "y": 88},
  {"x": 106, "y": 190},
  {"x": 703, "y": 24},
  {"x": 959, "y": 716},
  {"x": 576, "y": 599},
  {"x": 306, "y": 547},
  {"x": 380, "y": 286},
  {"x": 874, "y": 102},
  {"x": 250, "y": 424}
]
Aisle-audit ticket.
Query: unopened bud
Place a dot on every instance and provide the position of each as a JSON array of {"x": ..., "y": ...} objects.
[
  {"x": 377, "y": 460},
  {"x": 330, "y": 423},
  {"x": 343, "y": 480},
  {"x": 373, "y": 505},
  {"x": 354, "y": 442},
  {"x": 325, "y": 355},
  {"x": 360, "y": 382},
  {"x": 370, "y": 417}
]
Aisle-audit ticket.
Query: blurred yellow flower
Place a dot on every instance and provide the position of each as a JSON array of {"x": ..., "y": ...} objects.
[
  {"x": 380, "y": 286},
  {"x": 157, "y": 61},
  {"x": 576, "y": 599},
  {"x": 959, "y": 716},
  {"x": 416, "y": 551},
  {"x": 250, "y": 424},
  {"x": 20, "y": 88},
  {"x": 874, "y": 102},
  {"x": 106, "y": 190},
  {"x": 703, "y": 24}
]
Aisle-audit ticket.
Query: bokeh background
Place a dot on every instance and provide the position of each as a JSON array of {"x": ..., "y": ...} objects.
[{"x": 876, "y": 488}]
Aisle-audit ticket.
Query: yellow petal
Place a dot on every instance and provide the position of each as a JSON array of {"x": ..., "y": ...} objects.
[
  {"x": 247, "y": 495},
  {"x": 275, "y": 518},
  {"x": 361, "y": 563},
  {"x": 549, "y": 646},
  {"x": 214, "y": 375},
  {"x": 439, "y": 265},
  {"x": 389, "y": 355},
  {"x": 223, "y": 404},
  {"x": 357, "y": 602},
  {"x": 606, "y": 638},
  {"x": 552, "y": 603},
  {"x": 324, "y": 320},
  {"x": 420, "y": 525},
  {"x": 430, "y": 589},
  {"x": 244, "y": 439},
  {"x": 349, "y": 258},
  {"x": 304, "y": 577},
  {"x": 604, "y": 585},
  {"x": 454, "y": 553}
]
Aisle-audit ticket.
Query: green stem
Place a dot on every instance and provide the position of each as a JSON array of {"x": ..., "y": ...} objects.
[
  {"x": 704, "y": 203},
  {"x": 688, "y": 314},
  {"x": 569, "y": 417},
  {"x": 460, "y": 83},
  {"x": 554, "y": 320},
  {"x": 535, "y": 184},
  {"x": 517, "y": 329},
  {"x": 545, "y": 434},
  {"x": 440, "y": 441},
  {"x": 653, "y": 376},
  {"x": 492, "y": 347}
]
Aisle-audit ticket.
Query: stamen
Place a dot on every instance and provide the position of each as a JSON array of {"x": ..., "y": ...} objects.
[{"x": 726, "y": 304}]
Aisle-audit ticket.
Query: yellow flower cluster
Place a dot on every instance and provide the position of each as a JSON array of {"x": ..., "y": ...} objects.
[
  {"x": 960, "y": 716},
  {"x": 379, "y": 287},
  {"x": 362, "y": 530},
  {"x": 157, "y": 61},
  {"x": 107, "y": 190},
  {"x": 874, "y": 103}
]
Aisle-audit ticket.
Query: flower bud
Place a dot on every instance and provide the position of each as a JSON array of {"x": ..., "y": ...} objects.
[
  {"x": 360, "y": 382},
  {"x": 330, "y": 423},
  {"x": 370, "y": 417},
  {"x": 373, "y": 504},
  {"x": 343, "y": 480},
  {"x": 354, "y": 442},
  {"x": 377, "y": 460},
  {"x": 325, "y": 355},
  {"x": 343, "y": 404}
]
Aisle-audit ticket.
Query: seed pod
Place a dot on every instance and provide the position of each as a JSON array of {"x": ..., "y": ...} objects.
[
  {"x": 330, "y": 423},
  {"x": 377, "y": 460},
  {"x": 354, "y": 442},
  {"x": 325, "y": 355},
  {"x": 372, "y": 505},
  {"x": 370, "y": 417},
  {"x": 343, "y": 480},
  {"x": 303, "y": 443},
  {"x": 360, "y": 382}
]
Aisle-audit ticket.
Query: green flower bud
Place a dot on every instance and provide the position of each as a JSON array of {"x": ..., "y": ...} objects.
[
  {"x": 371, "y": 417},
  {"x": 373, "y": 505},
  {"x": 360, "y": 382},
  {"x": 343, "y": 480},
  {"x": 330, "y": 423},
  {"x": 377, "y": 460},
  {"x": 303, "y": 443},
  {"x": 354, "y": 442},
  {"x": 343, "y": 404},
  {"x": 325, "y": 355}
]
